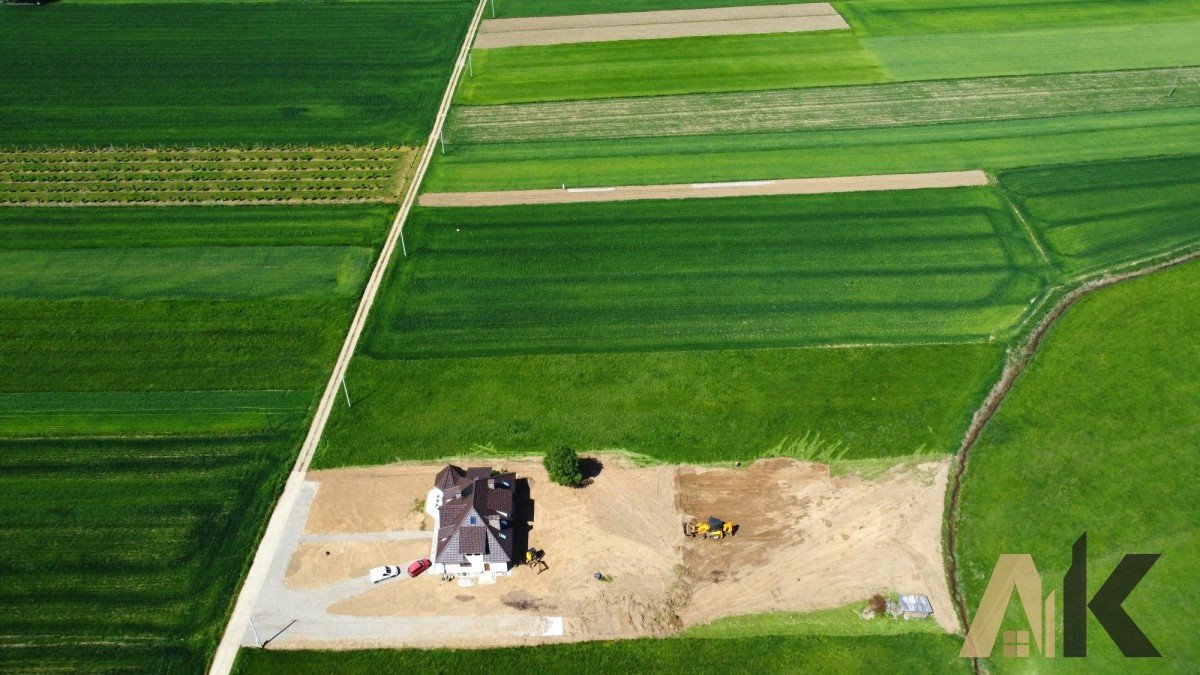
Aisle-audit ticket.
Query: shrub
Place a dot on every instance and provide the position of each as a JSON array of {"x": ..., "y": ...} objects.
[
  {"x": 878, "y": 604},
  {"x": 562, "y": 463}
]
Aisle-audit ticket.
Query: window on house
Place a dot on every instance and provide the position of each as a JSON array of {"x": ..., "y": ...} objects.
[
  {"x": 503, "y": 536},
  {"x": 473, "y": 520}
]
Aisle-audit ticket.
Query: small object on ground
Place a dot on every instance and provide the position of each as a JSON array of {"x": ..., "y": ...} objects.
[
  {"x": 378, "y": 574},
  {"x": 598, "y": 576},
  {"x": 915, "y": 606},
  {"x": 713, "y": 528},
  {"x": 326, "y": 552},
  {"x": 534, "y": 558},
  {"x": 738, "y": 464},
  {"x": 419, "y": 566}
]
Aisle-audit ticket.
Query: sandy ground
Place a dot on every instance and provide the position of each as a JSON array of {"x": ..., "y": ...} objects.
[
  {"x": 495, "y": 33},
  {"x": 806, "y": 541},
  {"x": 788, "y": 186}
]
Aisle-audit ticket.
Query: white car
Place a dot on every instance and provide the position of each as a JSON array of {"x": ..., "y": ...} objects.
[{"x": 384, "y": 573}]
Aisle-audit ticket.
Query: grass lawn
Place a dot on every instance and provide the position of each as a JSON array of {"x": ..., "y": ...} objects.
[
  {"x": 920, "y": 653},
  {"x": 232, "y": 73},
  {"x": 708, "y": 406},
  {"x": 1100, "y": 435},
  {"x": 886, "y": 267},
  {"x": 841, "y": 621},
  {"x": 1095, "y": 216}
]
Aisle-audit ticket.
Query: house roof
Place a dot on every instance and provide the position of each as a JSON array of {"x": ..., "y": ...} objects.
[
  {"x": 448, "y": 477},
  {"x": 476, "y": 517}
]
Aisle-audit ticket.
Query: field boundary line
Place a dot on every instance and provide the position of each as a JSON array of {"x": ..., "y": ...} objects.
[
  {"x": 1015, "y": 365},
  {"x": 1029, "y": 231},
  {"x": 256, "y": 577},
  {"x": 740, "y": 188}
]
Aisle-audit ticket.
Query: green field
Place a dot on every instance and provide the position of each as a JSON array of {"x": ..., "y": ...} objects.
[
  {"x": 680, "y": 66},
  {"x": 161, "y": 365},
  {"x": 258, "y": 73},
  {"x": 938, "y": 265},
  {"x": 189, "y": 176},
  {"x": 65, "y": 414},
  {"x": 1100, "y": 435},
  {"x": 707, "y": 406},
  {"x": 125, "y": 555},
  {"x": 993, "y": 145},
  {"x": 922, "y": 653},
  {"x": 1096, "y": 216}
]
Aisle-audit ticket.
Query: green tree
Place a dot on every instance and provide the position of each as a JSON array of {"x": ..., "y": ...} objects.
[{"x": 562, "y": 463}]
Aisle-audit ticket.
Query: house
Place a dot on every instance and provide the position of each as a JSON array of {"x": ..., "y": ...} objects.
[{"x": 473, "y": 512}]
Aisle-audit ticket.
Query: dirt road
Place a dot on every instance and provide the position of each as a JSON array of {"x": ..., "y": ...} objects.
[
  {"x": 553, "y": 30},
  {"x": 787, "y": 186},
  {"x": 239, "y": 621}
]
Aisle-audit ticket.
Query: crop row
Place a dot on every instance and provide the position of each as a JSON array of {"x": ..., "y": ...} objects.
[{"x": 132, "y": 176}]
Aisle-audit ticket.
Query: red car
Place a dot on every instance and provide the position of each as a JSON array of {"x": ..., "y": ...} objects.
[{"x": 415, "y": 569}]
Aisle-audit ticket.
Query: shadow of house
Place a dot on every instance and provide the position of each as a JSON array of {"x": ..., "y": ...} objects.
[{"x": 523, "y": 514}]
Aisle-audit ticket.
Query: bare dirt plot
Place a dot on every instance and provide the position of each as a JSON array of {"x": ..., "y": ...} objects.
[
  {"x": 497, "y": 33},
  {"x": 807, "y": 541},
  {"x": 787, "y": 186}
]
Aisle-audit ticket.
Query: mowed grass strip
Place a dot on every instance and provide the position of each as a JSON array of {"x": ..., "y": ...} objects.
[
  {"x": 64, "y": 414},
  {"x": 920, "y": 653},
  {"x": 127, "y": 553},
  {"x": 656, "y": 67},
  {"x": 191, "y": 175},
  {"x": 851, "y": 107},
  {"x": 198, "y": 226},
  {"x": 684, "y": 406},
  {"x": 1096, "y": 216},
  {"x": 1050, "y": 50},
  {"x": 885, "y": 267},
  {"x": 992, "y": 145},
  {"x": 200, "y": 272},
  {"x": 1100, "y": 435},
  {"x": 232, "y": 73},
  {"x": 907, "y": 17}
]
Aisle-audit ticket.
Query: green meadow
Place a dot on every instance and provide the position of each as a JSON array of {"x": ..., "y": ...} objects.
[
  {"x": 154, "y": 74},
  {"x": 1100, "y": 435},
  {"x": 679, "y": 406},
  {"x": 160, "y": 366},
  {"x": 1100, "y": 215},
  {"x": 937, "y": 265}
]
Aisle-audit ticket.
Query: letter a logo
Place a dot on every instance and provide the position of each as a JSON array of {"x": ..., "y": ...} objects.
[{"x": 1013, "y": 571}]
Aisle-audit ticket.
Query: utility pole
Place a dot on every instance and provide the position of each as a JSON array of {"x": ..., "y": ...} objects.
[
  {"x": 345, "y": 391},
  {"x": 442, "y": 138},
  {"x": 402, "y": 246},
  {"x": 470, "y": 64},
  {"x": 493, "y": 9}
]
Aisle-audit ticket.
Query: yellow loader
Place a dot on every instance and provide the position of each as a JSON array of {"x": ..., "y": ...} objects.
[{"x": 713, "y": 528}]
